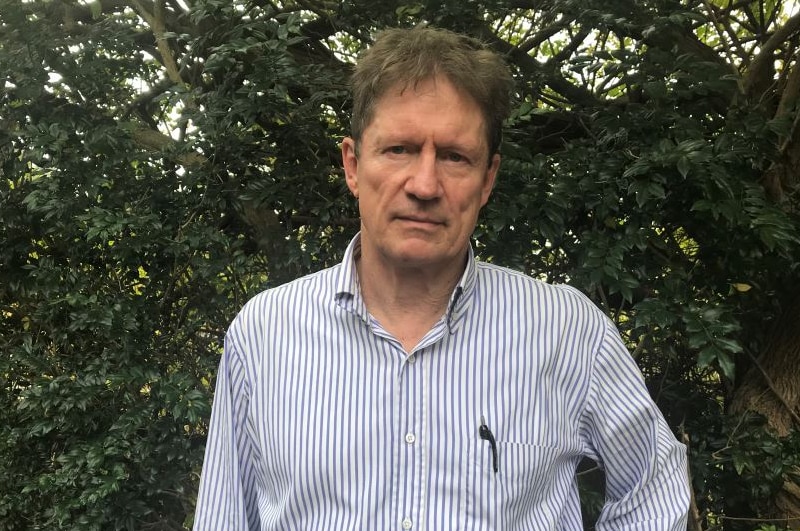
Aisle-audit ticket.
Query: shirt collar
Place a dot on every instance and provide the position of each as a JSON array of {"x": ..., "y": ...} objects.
[
  {"x": 348, "y": 290},
  {"x": 462, "y": 294}
]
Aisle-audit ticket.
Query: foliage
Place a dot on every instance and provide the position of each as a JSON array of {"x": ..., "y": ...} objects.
[
  {"x": 162, "y": 161},
  {"x": 748, "y": 467}
]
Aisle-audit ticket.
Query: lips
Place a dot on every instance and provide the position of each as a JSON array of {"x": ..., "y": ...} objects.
[{"x": 420, "y": 219}]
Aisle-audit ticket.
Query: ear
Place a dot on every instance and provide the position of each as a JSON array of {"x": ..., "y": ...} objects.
[
  {"x": 489, "y": 179},
  {"x": 350, "y": 163}
]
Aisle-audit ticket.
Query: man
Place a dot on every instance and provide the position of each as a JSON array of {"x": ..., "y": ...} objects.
[{"x": 411, "y": 387}]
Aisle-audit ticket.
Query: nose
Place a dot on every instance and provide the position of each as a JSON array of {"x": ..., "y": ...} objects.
[{"x": 423, "y": 178}]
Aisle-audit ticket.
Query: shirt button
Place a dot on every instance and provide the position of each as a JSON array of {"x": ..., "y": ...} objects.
[
  {"x": 410, "y": 439},
  {"x": 407, "y": 523},
  {"x": 411, "y": 359}
]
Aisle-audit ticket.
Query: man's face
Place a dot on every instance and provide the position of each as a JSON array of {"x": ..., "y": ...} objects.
[{"x": 421, "y": 176}]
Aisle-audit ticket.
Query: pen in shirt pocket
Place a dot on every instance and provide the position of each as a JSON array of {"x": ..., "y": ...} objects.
[{"x": 486, "y": 434}]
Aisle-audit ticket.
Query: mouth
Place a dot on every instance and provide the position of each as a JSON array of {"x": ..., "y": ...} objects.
[{"x": 420, "y": 220}]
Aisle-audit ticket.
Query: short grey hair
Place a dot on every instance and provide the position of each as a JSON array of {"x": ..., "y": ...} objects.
[{"x": 407, "y": 57}]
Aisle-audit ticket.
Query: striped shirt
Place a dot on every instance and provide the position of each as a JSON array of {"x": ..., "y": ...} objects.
[{"x": 321, "y": 421}]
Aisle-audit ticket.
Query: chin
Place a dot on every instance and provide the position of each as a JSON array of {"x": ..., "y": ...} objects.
[{"x": 418, "y": 256}]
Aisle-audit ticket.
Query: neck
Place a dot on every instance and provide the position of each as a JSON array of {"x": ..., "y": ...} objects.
[{"x": 406, "y": 301}]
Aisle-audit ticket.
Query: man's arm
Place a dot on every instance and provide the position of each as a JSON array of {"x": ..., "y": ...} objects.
[
  {"x": 646, "y": 479},
  {"x": 227, "y": 497}
]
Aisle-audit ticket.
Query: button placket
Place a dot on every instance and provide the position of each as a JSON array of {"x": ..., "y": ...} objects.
[{"x": 411, "y": 488}]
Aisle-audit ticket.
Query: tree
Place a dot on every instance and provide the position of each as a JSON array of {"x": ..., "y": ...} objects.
[{"x": 163, "y": 160}]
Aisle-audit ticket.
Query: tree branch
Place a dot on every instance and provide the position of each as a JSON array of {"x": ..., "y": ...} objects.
[
  {"x": 791, "y": 92},
  {"x": 576, "y": 95},
  {"x": 541, "y": 36},
  {"x": 578, "y": 39},
  {"x": 152, "y": 140},
  {"x": 761, "y": 65},
  {"x": 725, "y": 44},
  {"x": 158, "y": 26}
]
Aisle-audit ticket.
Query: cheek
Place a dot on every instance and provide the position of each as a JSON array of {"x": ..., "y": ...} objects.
[
  {"x": 471, "y": 203},
  {"x": 370, "y": 201},
  {"x": 372, "y": 178},
  {"x": 382, "y": 191}
]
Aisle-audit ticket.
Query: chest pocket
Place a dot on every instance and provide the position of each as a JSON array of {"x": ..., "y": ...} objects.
[{"x": 519, "y": 494}]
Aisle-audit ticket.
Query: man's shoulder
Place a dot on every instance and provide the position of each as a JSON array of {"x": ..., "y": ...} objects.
[
  {"x": 320, "y": 284},
  {"x": 511, "y": 282},
  {"x": 489, "y": 272}
]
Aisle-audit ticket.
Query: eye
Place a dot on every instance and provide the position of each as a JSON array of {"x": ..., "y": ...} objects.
[
  {"x": 452, "y": 156},
  {"x": 396, "y": 150}
]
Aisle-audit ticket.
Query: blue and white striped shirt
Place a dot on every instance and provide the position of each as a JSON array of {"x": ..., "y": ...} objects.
[{"x": 321, "y": 421}]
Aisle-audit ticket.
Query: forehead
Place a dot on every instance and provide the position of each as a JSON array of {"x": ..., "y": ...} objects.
[{"x": 433, "y": 107}]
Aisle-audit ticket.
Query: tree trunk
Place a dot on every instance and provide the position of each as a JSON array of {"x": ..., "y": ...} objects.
[{"x": 772, "y": 388}]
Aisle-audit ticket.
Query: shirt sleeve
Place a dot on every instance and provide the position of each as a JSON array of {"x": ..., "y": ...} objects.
[
  {"x": 645, "y": 465},
  {"x": 227, "y": 497}
]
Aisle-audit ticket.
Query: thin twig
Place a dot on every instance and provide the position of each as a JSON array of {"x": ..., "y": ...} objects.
[
  {"x": 640, "y": 345},
  {"x": 694, "y": 512}
]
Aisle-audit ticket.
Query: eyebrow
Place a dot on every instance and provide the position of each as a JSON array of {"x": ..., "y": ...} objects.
[{"x": 398, "y": 139}]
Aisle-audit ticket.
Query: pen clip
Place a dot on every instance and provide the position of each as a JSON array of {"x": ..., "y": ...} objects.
[{"x": 486, "y": 434}]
